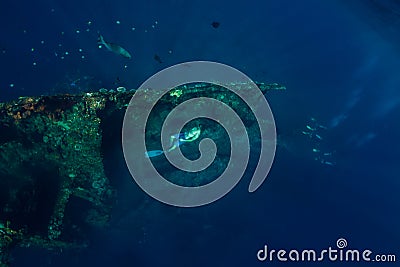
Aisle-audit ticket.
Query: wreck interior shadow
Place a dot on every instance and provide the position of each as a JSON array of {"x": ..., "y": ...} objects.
[{"x": 30, "y": 197}]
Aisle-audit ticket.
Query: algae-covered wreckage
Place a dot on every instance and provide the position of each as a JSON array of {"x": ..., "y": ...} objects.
[{"x": 51, "y": 162}]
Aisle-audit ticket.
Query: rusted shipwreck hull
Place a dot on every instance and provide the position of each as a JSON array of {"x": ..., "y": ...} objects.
[{"x": 51, "y": 154}]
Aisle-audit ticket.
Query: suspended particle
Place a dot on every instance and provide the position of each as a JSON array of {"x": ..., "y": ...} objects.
[
  {"x": 82, "y": 57},
  {"x": 12, "y": 85},
  {"x": 66, "y": 53},
  {"x": 42, "y": 42},
  {"x": 118, "y": 22},
  {"x": 77, "y": 31},
  {"x": 32, "y": 49},
  {"x": 80, "y": 50},
  {"x": 34, "y": 64},
  {"x": 133, "y": 28}
]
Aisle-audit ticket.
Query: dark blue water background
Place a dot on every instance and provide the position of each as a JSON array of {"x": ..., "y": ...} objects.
[{"x": 340, "y": 63}]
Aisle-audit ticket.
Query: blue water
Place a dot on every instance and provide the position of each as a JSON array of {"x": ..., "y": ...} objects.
[{"x": 340, "y": 63}]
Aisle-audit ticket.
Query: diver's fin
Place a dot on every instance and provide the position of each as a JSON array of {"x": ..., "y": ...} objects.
[{"x": 153, "y": 153}]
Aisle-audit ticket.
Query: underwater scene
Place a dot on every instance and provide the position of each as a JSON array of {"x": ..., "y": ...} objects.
[{"x": 199, "y": 133}]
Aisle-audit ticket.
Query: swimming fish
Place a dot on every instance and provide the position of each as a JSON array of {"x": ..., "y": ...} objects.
[
  {"x": 157, "y": 58},
  {"x": 113, "y": 47},
  {"x": 318, "y": 136},
  {"x": 215, "y": 24}
]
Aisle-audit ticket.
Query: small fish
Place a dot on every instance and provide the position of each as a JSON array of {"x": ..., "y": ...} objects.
[
  {"x": 157, "y": 58},
  {"x": 215, "y": 24},
  {"x": 318, "y": 136},
  {"x": 117, "y": 81},
  {"x": 113, "y": 47},
  {"x": 310, "y": 128},
  {"x": 328, "y": 163}
]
